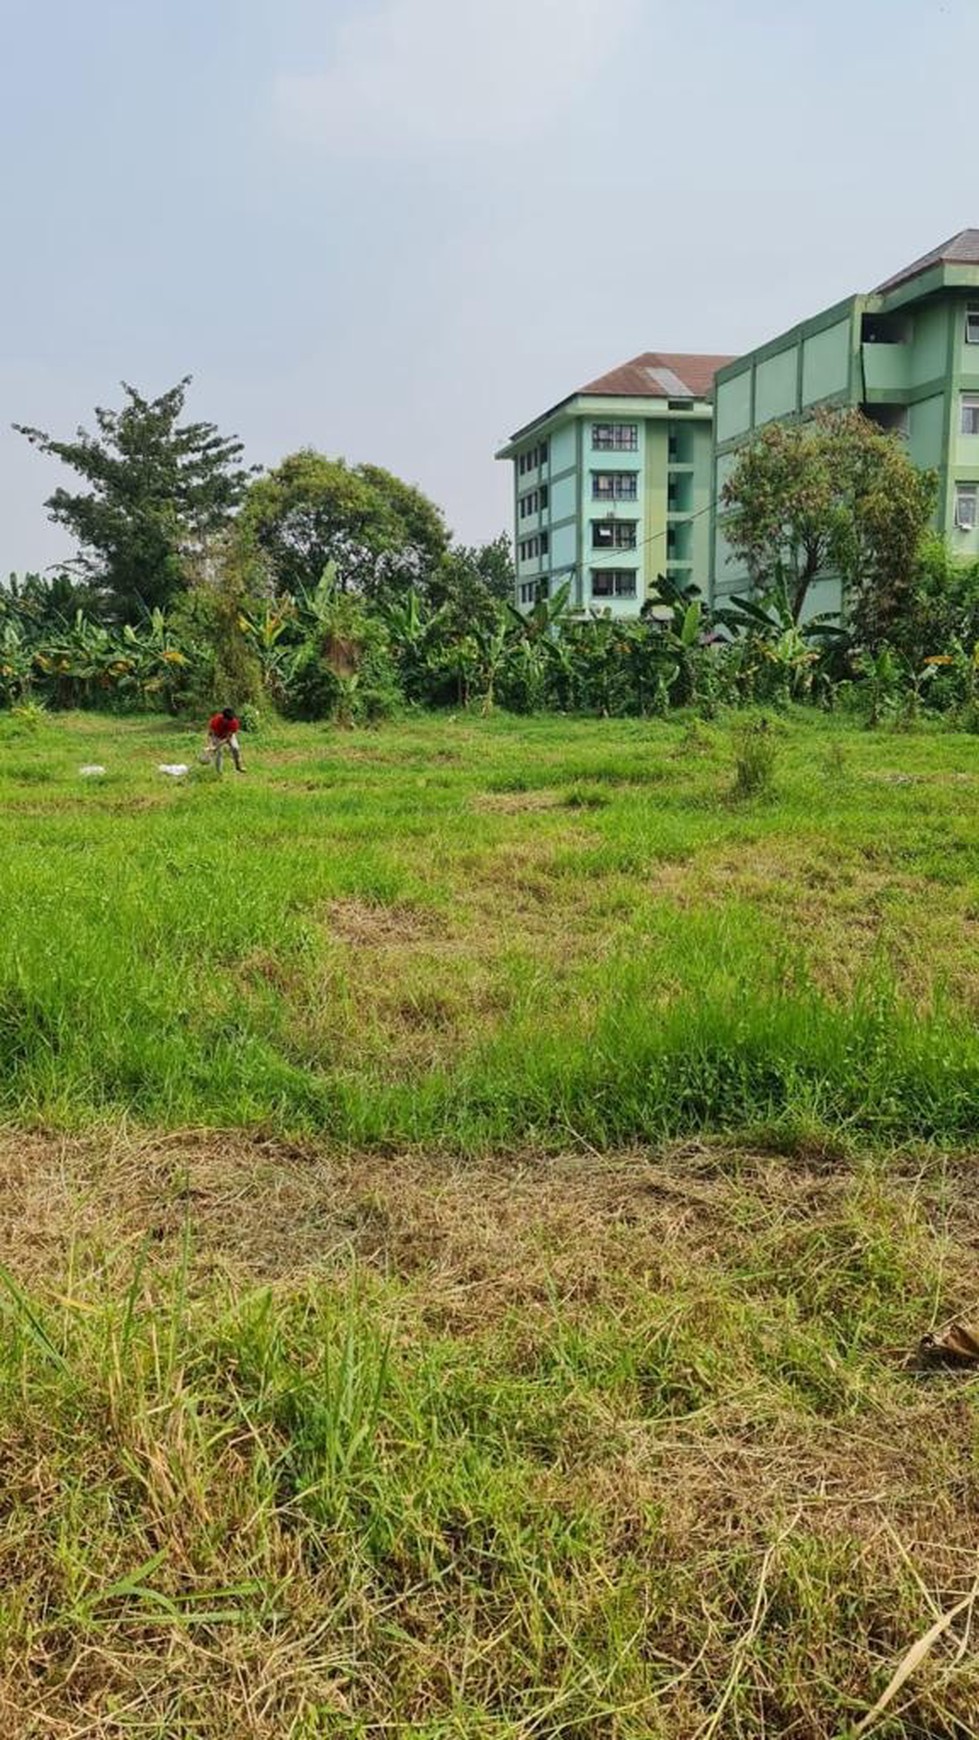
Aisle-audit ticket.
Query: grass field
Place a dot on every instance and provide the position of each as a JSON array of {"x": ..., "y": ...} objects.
[
  {"x": 483, "y": 933},
  {"x": 468, "y": 1197}
]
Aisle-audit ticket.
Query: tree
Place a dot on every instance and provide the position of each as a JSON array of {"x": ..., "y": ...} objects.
[
  {"x": 383, "y": 535},
  {"x": 832, "y": 495},
  {"x": 213, "y": 614},
  {"x": 493, "y": 563},
  {"x": 160, "y": 490}
]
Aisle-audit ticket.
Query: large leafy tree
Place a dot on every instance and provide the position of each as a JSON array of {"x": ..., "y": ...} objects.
[
  {"x": 470, "y": 585},
  {"x": 382, "y": 535},
  {"x": 158, "y": 491},
  {"x": 835, "y": 494},
  {"x": 493, "y": 563}
]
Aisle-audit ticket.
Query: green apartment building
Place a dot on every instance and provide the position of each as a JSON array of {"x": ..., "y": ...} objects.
[
  {"x": 907, "y": 354},
  {"x": 612, "y": 486}
]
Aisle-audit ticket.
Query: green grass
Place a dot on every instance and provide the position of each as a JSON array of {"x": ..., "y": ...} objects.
[
  {"x": 470, "y": 1196},
  {"x": 478, "y": 933}
]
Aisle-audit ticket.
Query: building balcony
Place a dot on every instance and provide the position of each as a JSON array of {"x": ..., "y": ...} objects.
[
  {"x": 886, "y": 368},
  {"x": 679, "y": 495}
]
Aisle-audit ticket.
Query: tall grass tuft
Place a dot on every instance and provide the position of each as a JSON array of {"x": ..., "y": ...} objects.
[{"x": 755, "y": 756}]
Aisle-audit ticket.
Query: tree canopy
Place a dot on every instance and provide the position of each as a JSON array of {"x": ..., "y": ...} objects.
[
  {"x": 835, "y": 494},
  {"x": 159, "y": 490},
  {"x": 381, "y": 534}
]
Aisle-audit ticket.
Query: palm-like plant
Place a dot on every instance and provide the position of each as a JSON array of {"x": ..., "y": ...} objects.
[
  {"x": 16, "y": 664},
  {"x": 780, "y": 658}
]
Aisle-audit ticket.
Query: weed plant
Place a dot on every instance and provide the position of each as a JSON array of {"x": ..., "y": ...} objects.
[{"x": 755, "y": 755}]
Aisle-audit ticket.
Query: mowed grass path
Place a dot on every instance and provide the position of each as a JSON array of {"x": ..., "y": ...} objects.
[{"x": 482, "y": 932}]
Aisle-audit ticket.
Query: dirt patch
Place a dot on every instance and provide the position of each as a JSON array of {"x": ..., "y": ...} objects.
[
  {"x": 515, "y": 803},
  {"x": 369, "y": 924},
  {"x": 485, "y": 1236},
  {"x": 887, "y": 778}
]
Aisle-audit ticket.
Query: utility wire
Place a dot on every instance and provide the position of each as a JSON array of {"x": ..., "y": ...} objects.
[{"x": 602, "y": 559}]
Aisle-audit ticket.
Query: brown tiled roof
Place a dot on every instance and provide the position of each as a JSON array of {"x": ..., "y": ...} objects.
[
  {"x": 661, "y": 375},
  {"x": 960, "y": 250}
]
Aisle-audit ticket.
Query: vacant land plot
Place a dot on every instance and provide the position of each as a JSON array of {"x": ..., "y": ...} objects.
[
  {"x": 480, "y": 933},
  {"x": 469, "y": 1202}
]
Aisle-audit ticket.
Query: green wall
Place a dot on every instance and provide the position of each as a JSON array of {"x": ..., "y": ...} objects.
[
  {"x": 776, "y": 385},
  {"x": 926, "y": 429},
  {"x": 929, "y": 349},
  {"x": 732, "y": 406},
  {"x": 562, "y": 448},
  {"x": 826, "y": 362}
]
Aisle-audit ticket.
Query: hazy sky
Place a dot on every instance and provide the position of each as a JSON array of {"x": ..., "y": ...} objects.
[{"x": 398, "y": 229}]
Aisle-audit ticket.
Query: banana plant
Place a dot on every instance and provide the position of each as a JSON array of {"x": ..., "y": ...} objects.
[
  {"x": 882, "y": 672},
  {"x": 491, "y": 646},
  {"x": 418, "y": 640},
  {"x": 782, "y": 658},
  {"x": 16, "y": 664},
  {"x": 548, "y": 616},
  {"x": 267, "y": 632}
]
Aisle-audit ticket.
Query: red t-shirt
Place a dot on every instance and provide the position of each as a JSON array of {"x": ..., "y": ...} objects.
[{"x": 222, "y": 727}]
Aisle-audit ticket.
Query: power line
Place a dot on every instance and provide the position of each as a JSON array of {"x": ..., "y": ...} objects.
[
  {"x": 653, "y": 538},
  {"x": 600, "y": 560}
]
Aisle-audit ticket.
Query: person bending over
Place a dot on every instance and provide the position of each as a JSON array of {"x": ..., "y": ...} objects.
[{"x": 222, "y": 734}]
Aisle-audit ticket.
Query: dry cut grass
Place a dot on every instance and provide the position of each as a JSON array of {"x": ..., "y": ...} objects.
[{"x": 300, "y": 1442}]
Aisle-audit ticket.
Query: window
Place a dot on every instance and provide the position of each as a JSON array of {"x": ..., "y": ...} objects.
[
  {"x": 972, "y": 326},
  {"x": 529, "y": 503},
  {"x": 544, "y": 542},
  {"x": 535, "y": 546},
  {"x": 615, "y": 437},
  {"x": 532, "y": 459},
  {"x": 613, "y": 582},
  {"x": 970, "y": 413},
  {"x": 613, "y": 534},
  {"x": 543, "y": 495},
  {"x": 966, "y": 498},
  {"x": 613, "y": 485}
]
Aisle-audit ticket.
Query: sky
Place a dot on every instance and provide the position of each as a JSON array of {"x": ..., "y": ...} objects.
[{"x": 396, "y": 230}]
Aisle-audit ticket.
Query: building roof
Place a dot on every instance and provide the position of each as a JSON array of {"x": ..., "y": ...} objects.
[
  {"x": 959, "y": 250},
  {"x": 653, "y": 375},
  {"x": 660, "y": 375}
]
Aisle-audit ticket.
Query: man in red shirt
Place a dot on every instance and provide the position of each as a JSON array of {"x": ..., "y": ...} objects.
[{"x": 222, "y": 734}]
